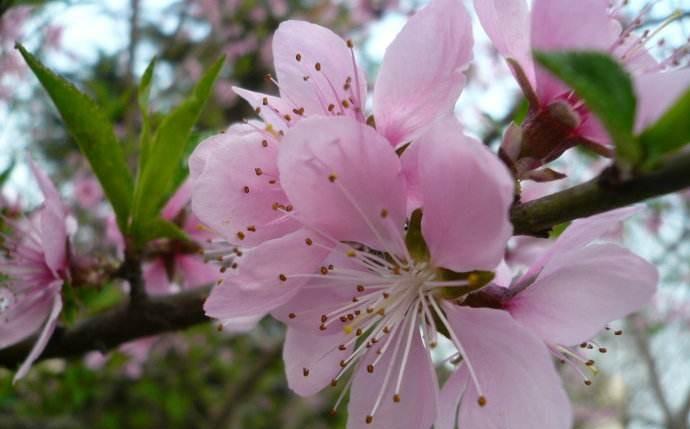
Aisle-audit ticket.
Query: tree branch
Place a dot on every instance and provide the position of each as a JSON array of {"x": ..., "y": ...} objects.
[
  {"x": 122, "y": 324},
  {"x": 599, "y": 195},
  {"x": 157, "y": 315}
]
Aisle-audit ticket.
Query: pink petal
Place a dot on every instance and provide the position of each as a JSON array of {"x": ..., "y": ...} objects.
[
  {"x": 195, "y": 272},
  {"x": 417, "y": 408},
  {"x": 451, "y": 394},
  {"x": 410, "y": 168},
  {"x": 178, "y": 201},
  {"x": 224, "y": 168},
  {"x": 582, "y": 290},
  {"x": 43, "y": 338},
  {"x": 507, "y": 23},
  {"x": 23, "y": 317},
  {"x": 273, "y": 111},
  {"x": 316, "y": 44},
  {"x": 515, "y": 371},
  {"x": 156, "y": 278},
  {"x": 344, "y": 180},
  {"x": 312, "y": 361},
  {"x": 53, "y": 228},
  {"x": 580, "y": 233},
  {"x": 421, "y": 76},
  {"x": 263, "y": 281},
  {"x": 566, "y": 25},
  {"x": 466, "y": 193},
  {"x": 656, "y": 92}
]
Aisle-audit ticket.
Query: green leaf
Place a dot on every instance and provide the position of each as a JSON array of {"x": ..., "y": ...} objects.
[
  {"x": 93, "y": 133},
  {"x": 606, "y": 88},
  {"x": 669, "y": 133},
  {"x": 156, "y": 181},
  {"x": 161, "y": 228},
  {"x": 143, "y": 94}
]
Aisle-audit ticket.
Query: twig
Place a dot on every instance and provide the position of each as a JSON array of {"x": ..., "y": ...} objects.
[{"x": 599, "y": 195}]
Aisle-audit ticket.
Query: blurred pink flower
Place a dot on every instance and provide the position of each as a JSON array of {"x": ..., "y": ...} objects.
[
  {"x": 182, "y": 269},
  {"x": 87, "y": 191},
  {"x": 553, "y": 25},
  {"x": 34, "y": 266}
]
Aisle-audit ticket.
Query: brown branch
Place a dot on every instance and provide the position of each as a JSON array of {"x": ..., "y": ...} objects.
[
  {"x": 599, "y": 195},
  {"x": 122, "y": 324}
]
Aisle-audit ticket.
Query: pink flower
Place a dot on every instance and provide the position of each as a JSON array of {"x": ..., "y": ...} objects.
[
  {"x": 568, "y": 295},
  {"x": 558, "y": 120},
  {"x": 34, "y": 266},
  {"x": 189, "y": 270},
  {"x": 356, "y": 299},
  {"x": 420, "y": 79},
  {"x": 87, "y": 191}
]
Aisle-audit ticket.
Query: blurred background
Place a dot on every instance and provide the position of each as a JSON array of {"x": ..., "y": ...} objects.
[{"x": 203, "y": 378}]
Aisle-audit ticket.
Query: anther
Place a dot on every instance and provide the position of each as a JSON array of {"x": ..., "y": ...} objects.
[
  {"x": 282, "y": 277},
  {"x": 481, "y": 401},
  {"x": 240, "y": 235},
  {"x": 298, "y": 57},
  {"x": 334, "y": 383},
  {"x": 350, "y": 44},
  {"x": 346, "y": 104},
  {"x": 369, "y": 419},
  {"x": 317, "y": 66},
  {"x": 265, "y": 101},
  {"x": 305, "y": 372},
  {"x": 360, "y": 288},
  {"x": 589, "y": 362},
  {"x": 246, "y": 189},
  {"x": 370, "y": 368},
  {"x": 251, "y": 228},
  {"x": 324, "y": 270},
  {"x": 342, "y": 347},
  {"x": 287, "y": 117},
  {"x": 332, "y": 177},
  {"x": 602, "y": 350},
  {"x": 264, "y": 143},
  {"x": 308, "y": 241},
  {"x": 384, "y": 213},
  {"x": 258, "y": 171},
  {"x": 331, "y": 107},
  {"x": 288, "y": 208},
  {"x": 292, "y": 315},
  {"x": 299, "y": 112},
  {"x": 343, "y": 364},
  {"x": 396, "y": 398},
  {"x": 219, "y": 328},
  {"x": 619, "y": 332},
  {"x": 588, "y": 382}
]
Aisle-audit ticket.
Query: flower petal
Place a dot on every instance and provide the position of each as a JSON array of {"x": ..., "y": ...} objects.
[
  {"x": 656, "y": 93},
  {"x": 466, "y": 193},
  {"x": 344, "y": 180},
  {"x": 178, "y": 201},
  {"x": 312, "y": 361},
  {"x": 53, "y": 228},
  {"x": 235, "y": 187},
  {"x": 320, "y": 76},
  {"x": 580, "y": 291},
  {"x": 516, "y": 373},
  {"x": 195, "y": 272},
  {"x": 271, "y": 109},
  {"x": 43, "y": 338},
  {"x": 578, "y": 234},
  {"x": 23, "y": 317},
  {"x": 263, "y": 281},
  {"x": 417, "y": 407},
  {"x": 156, "y": 278},
  {"x": 566, "y": 25},
  {"x": 421, "y": 76},
  {"x": 507, "y": 23}
]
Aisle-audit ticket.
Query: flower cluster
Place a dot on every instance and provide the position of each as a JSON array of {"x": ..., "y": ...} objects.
[{"x": 374, "y": 236}]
